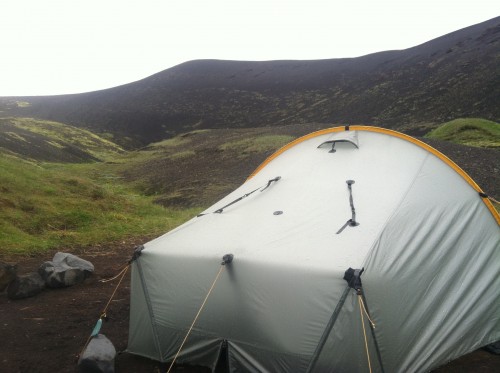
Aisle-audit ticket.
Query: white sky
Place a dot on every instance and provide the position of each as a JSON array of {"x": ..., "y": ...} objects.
[{"x": 71, "y": 46}]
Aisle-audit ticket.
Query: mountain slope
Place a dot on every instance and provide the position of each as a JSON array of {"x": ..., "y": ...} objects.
[
  {"x": 41, "y": 140},
  {"x": 456, "y": 75},
  {"x": 200, "y": 167}
]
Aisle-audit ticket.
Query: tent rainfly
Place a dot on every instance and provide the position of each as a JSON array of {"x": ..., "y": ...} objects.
[{"x": 355, "y": 249}]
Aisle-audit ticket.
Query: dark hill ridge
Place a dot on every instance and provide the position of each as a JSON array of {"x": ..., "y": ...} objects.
[{"x": 456, "y": 75}]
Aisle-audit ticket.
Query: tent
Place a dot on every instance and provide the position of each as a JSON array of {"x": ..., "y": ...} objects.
[{"x": 354, "y": 249}]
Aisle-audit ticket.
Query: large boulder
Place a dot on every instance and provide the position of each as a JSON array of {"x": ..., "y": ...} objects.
[
  {"x": 98, "y": 357},
  {"x": 7, "y": 274},
  {"x": 25, "y": 286},
  {"x": 65, "y": 270}
]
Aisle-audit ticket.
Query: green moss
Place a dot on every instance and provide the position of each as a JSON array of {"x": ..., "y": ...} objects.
[
  {"x": 61, "y": 135},
  {"x": 174, "y": 141},
  {"x": 46, "y": 206},
  {"x": 182, "y": 155},
  {"x": 259, "y": 144},
  {"x": 469, "y": 131},
  {"x": 15, "y": 136}
]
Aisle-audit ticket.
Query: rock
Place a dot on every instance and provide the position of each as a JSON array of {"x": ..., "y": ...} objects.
[
  {"x": 98, "y": 357},
  {"x": 25, "y": 286},
  {"x": 7, "y": 275},
  {"x": 493, "y": 348},
  {"x": 65, "y": 270}
]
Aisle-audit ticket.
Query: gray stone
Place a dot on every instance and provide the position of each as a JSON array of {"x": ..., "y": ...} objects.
[
  {"x": 7, "y": 274},
  {"x": 65, "y": 270},
  {"x": 25, "y": 286},
  {"x": 493, "y": 348},
  {"x": 98, "y": 357}
]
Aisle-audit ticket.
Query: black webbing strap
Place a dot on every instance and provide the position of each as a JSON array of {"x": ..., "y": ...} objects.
[
  {"x": 327, "y": 331},
  {"x": 137, "y": 253},
  {"x": 219, "y": 211},
  {"x": 353, "y": 278},
  {"x": 235, "y": 201},
  {"x": 271, "y": 181},
  {"x": 333, "y": 147},
  {"x": 352, "y": 221},
  {"x": 349, "y": 222}
]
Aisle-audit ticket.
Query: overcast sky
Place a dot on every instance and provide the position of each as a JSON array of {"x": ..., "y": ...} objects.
[{"x": 71, "y": 46}]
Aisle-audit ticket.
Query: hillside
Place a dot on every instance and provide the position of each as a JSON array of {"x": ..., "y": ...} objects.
[
  {"x": 45, "y": 206},
  {"x": 41, "y": 140},
  {"x": 456, "y": 75},
  {"x": 197, "y": 168},
  {"x": 469, "y": 131}
]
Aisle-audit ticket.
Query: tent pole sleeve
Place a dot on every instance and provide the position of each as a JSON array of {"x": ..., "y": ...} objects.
[
  {"x": 377, "y": 349},
  {"x": 150, "y": 309},
  {"x": 327, "y": 330}
]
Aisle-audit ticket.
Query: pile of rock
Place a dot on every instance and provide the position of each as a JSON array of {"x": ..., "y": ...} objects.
[{"x": 64, "y": 270}]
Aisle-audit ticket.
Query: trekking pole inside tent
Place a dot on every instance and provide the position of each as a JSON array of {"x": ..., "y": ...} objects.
[{"x": 226, "y": 259}]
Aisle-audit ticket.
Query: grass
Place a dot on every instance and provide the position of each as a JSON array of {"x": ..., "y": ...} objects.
[
  {"x": 181, "y": 155},
  {"x": 469, "y": 131},
  {"x": 259, "y": 144},
  {"x": 172, "y": 142},
  {"x": 61, "y": 135},
  {"x": 45, "y": 206}
]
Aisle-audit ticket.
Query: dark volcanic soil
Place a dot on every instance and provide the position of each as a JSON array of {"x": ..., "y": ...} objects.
[{"x": 46, "y": 333}]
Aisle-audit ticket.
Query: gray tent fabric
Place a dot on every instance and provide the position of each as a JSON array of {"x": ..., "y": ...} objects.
[{"x": 428, "y": 242}]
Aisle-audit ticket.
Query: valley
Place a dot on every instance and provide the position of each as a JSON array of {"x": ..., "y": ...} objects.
[{"x": 98, "y": 173}]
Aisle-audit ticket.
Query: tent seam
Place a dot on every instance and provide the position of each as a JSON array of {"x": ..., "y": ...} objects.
[{"x": 396, "y": 208}]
